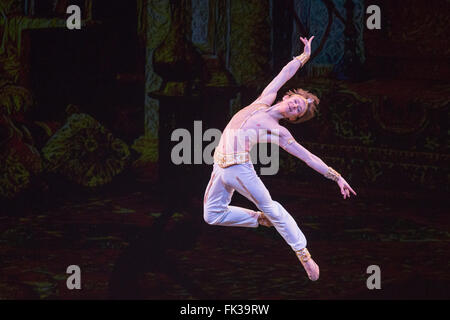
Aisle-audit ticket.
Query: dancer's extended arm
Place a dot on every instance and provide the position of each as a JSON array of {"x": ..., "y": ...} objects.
[
  {"x": 288, "y": 143},
  {"x": 269, "y": 94}
]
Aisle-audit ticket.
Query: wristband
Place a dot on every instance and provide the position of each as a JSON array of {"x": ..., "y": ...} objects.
[
  {"x": 332, "y": 174},
  {"x": 303, "y": 58}
]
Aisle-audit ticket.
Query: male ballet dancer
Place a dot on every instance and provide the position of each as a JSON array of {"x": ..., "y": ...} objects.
[{"x": 233, "y": 169}]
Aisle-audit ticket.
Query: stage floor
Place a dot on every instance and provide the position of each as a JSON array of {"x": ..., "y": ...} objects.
[{"x": 407, "y": 239}]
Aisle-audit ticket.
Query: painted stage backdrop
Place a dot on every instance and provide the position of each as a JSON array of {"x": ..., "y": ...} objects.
[{"x": 88, "y": 113}]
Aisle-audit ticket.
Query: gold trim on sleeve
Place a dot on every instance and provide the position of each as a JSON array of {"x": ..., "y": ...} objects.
[
  {"x": 303, "y": 58},
  {"x": 289, "y": 142},
  {"x": 332, "y": 174}
]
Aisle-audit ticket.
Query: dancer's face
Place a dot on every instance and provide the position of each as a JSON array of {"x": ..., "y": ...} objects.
[{"x": 293, "y": 107}]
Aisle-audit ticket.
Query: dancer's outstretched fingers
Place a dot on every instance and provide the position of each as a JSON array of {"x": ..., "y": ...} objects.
[{"x": 343, "y": 192}]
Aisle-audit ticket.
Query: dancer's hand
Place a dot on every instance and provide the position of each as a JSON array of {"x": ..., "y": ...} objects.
[
  {"x": 345, "y": 188},
  {"x": 307, "y": 44}
]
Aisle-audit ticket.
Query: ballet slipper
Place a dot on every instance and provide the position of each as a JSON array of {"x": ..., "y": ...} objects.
[{"x": 311, "y": 268}]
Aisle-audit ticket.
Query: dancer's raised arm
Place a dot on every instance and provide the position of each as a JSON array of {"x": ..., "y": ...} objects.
[{"x": 269, "y": 94}]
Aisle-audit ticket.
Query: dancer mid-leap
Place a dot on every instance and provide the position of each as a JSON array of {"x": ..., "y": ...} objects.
[{"x": 233, "y": 169}]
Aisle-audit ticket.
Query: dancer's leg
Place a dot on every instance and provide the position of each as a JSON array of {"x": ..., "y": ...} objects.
[
  {"x": 216, "y": 208},
  {"x": 244, "y": 179}
]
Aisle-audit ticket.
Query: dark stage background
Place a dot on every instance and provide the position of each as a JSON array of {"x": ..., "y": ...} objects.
[{"x": 86, "y": 178}]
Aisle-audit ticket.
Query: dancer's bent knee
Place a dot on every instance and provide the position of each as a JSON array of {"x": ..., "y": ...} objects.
[
  {"x": 212, "y": 217},
  {"x": 271, "y": 211}
]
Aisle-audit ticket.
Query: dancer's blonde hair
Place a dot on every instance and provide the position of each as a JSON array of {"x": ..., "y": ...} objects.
[{"x": 313, "y": 102}]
